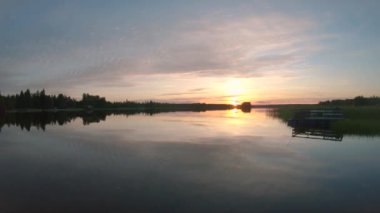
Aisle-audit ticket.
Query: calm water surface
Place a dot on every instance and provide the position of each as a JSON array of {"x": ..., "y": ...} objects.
[{"x": 218, "y": 161}]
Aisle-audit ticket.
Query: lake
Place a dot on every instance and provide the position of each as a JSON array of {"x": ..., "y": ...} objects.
[{"x": 214, "y": 161}]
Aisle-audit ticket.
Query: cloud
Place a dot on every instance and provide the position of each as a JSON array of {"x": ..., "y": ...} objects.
[
  {"x": 188, "y": 92},
  {"x": 290, "y": 101},
  {"x": 275, "y": 45},
  {"x": 245, "y": 47},
  {"x": 198, "y": 89}
]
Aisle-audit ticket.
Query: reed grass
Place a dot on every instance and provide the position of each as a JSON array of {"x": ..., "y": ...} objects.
[{"x": 363, "y": 120}]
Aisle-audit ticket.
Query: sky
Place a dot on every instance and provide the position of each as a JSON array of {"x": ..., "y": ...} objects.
[{"x": 212, "y": 51}]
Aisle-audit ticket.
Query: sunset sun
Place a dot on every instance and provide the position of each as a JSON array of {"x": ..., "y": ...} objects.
[{"x": 235, "y": 102}]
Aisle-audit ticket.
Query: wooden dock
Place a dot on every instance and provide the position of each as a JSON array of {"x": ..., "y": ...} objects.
[
  {"x": 317, "y": 134},
  {"x": 318, "y": 118},
  {"x": 316, "y": 124}
]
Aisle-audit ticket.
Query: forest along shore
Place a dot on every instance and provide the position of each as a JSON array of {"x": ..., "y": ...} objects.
[{"x": 39, "y": 101}]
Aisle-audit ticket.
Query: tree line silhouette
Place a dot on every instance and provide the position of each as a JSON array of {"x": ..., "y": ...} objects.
[
  {"x": 39, "y": 100},
  {"x": 357, "y": 101}
]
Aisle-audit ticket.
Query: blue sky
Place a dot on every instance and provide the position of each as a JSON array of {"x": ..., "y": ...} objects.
[{"x": 264, "y": 51}]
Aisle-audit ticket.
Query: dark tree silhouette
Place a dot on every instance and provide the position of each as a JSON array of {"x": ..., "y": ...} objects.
[{"x": 42, "y": 101}]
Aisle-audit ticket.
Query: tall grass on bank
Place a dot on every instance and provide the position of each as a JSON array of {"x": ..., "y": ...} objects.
[
  {"x": 367, "y": 127},
  {"x": 363, "y": 120},
  {"x": 359, "y": 121}
]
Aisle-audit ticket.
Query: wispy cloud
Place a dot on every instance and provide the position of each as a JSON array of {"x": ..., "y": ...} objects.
[
  {"x": 242, "y": 47},
  {"x": 195, "y": 91},
  {"x": 245, "y": 47}
]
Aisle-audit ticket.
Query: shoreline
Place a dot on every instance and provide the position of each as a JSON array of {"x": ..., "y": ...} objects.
[{"x": 133, "y": 109}]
